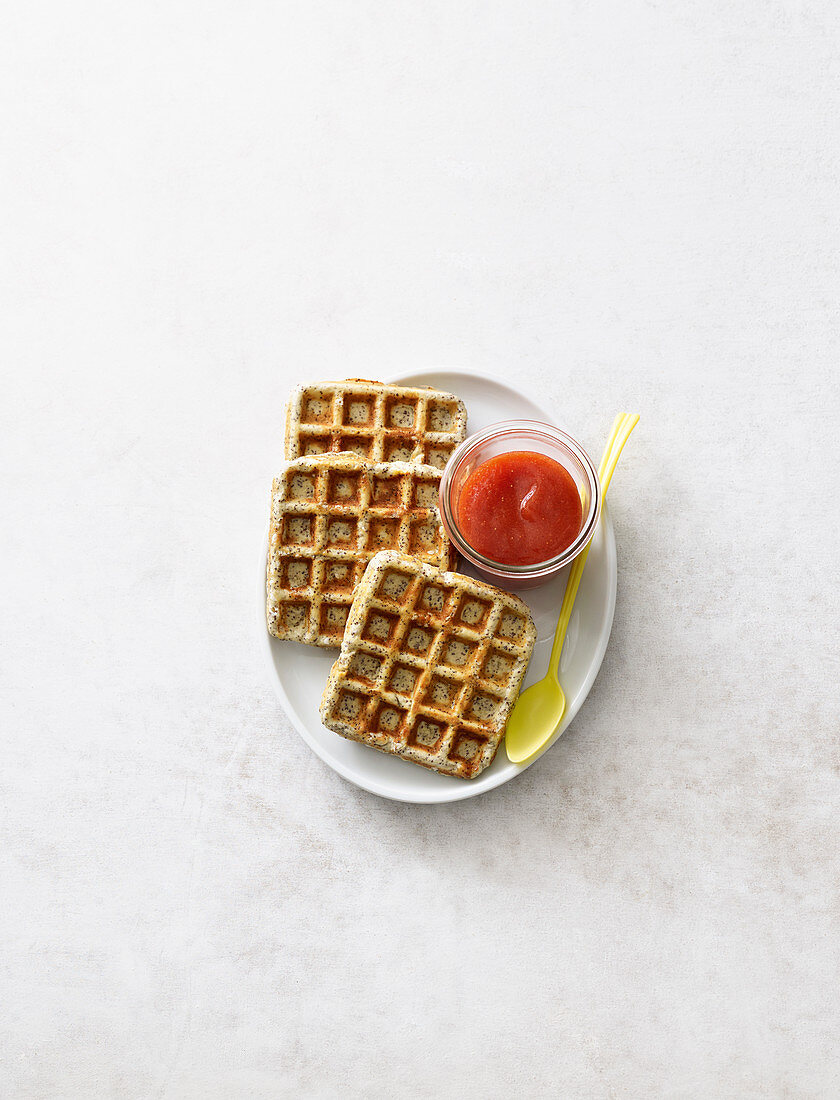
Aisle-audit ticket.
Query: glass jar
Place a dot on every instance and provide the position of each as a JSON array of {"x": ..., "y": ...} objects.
[{"x": 520, "y": 435}]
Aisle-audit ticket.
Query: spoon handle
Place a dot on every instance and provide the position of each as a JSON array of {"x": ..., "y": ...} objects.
[{"x": 623, "y": 425}]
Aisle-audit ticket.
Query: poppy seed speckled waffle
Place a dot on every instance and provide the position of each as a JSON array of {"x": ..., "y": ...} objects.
[
  {"x": 329, "y": 515},
  {"x": 375, "y": 421},
  {"x": 430, "y": 665}
]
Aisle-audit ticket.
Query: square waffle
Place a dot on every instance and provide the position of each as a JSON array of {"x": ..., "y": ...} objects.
[
  {"x": 375, "y": 421},
  {"x": 430, "y": 665},
  {"x": 329, "y": 515}
]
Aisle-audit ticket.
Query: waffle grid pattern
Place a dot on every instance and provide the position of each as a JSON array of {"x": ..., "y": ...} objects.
[
  {"x": 330, "y": 514},
  {"x": 374, "y": 421},
  {"x": 430, "y": 666}
]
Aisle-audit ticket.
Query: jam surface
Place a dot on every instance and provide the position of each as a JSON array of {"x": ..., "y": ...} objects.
[{"x": 520, "y": 508}]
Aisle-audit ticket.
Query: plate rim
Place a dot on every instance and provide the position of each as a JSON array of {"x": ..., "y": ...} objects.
[{"x": 467, "y": 789}]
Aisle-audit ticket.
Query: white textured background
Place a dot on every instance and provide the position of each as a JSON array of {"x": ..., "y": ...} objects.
[{"x": 621, "y": 204}]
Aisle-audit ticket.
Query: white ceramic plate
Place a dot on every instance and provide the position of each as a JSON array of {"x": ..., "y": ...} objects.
[{"x": 299, "y": 673}]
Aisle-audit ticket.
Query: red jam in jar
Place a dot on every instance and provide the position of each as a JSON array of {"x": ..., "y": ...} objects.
[{"x": 520, "y": 508}]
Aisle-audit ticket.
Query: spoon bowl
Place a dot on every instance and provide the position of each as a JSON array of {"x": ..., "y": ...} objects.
[{"x": 543, "y": 704}]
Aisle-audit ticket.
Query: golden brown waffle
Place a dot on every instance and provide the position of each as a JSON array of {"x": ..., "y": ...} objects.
[
  {"x": 430, "y": 665},
  {"x": 329, "y": 515},
  {"x": 375, "y": 421}
]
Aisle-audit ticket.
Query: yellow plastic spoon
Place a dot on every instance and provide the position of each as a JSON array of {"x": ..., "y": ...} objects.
[{"x": 538, "y": 710}]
